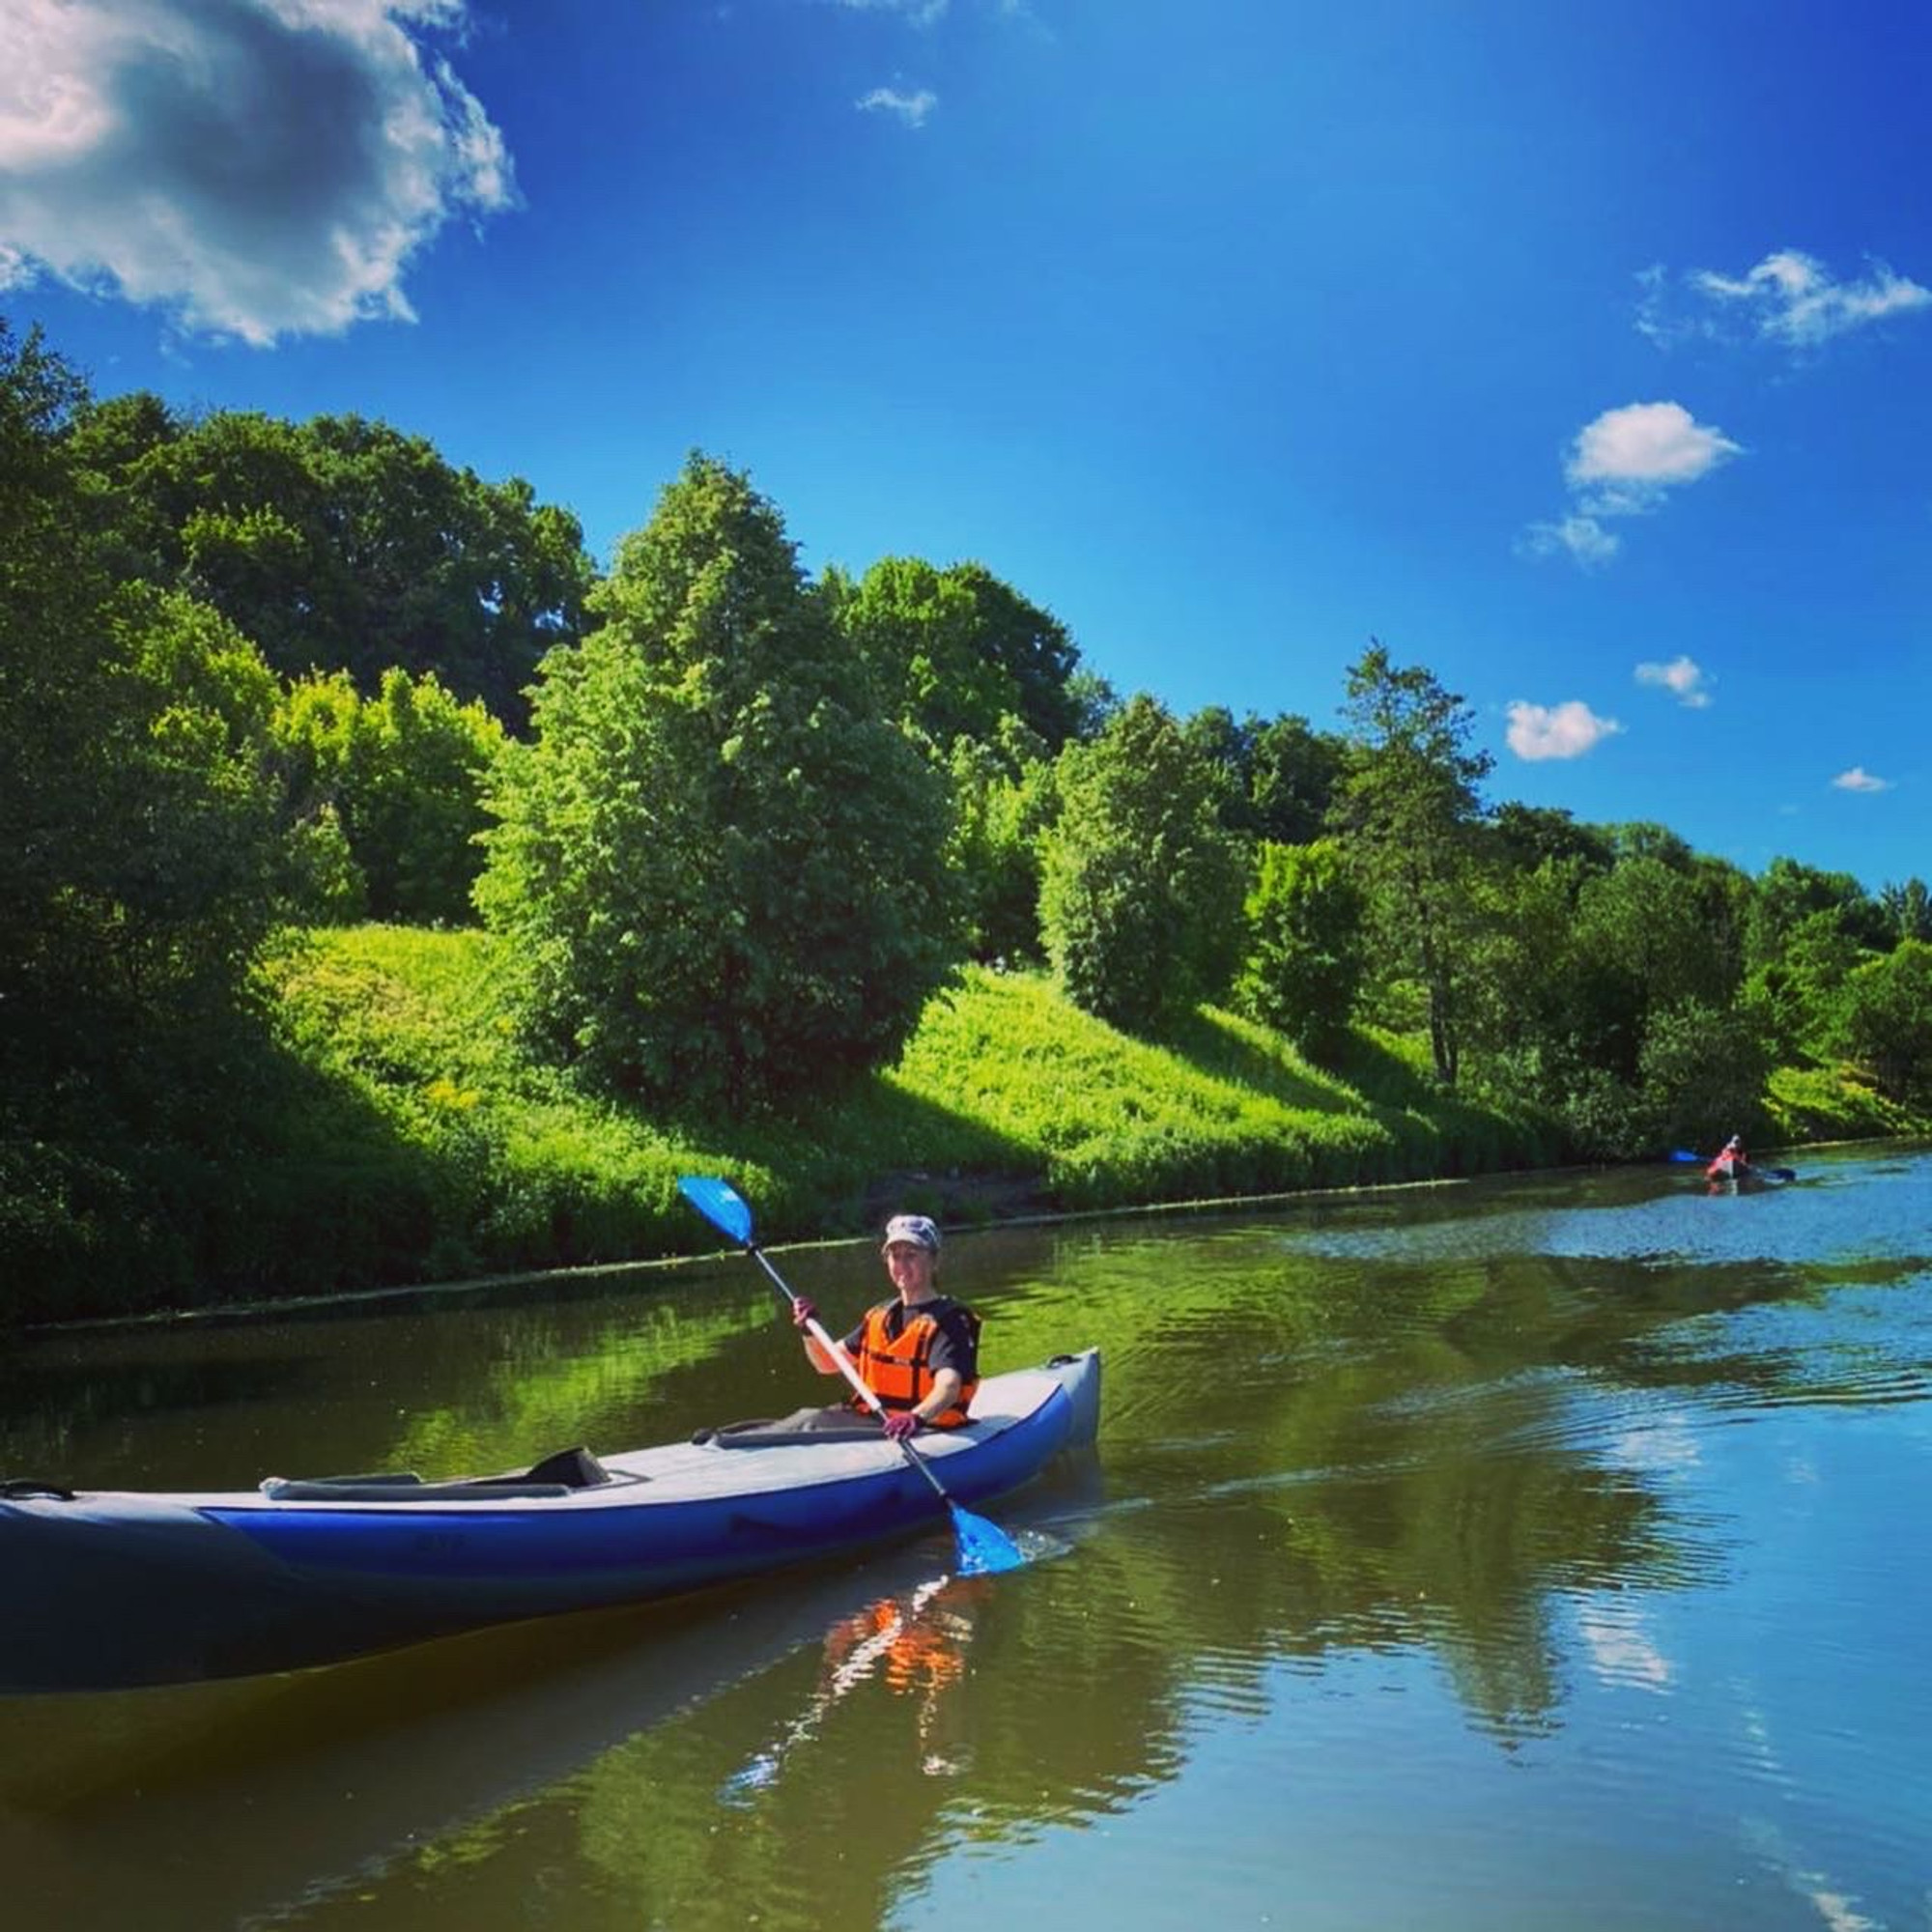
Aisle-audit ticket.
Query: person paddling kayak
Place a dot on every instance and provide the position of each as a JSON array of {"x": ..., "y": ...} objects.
[
  {"x": 918, "y": 1352},
  {"x": 1732, "y": 1161}
]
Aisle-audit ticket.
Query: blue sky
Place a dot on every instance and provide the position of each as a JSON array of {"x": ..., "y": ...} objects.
[{"x": 1583, "y": 354}]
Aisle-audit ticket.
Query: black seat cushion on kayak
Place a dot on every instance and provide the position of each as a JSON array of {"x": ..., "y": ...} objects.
[
  {"x": 331, "y": 1490},
  {"x": 554, "y": 1476},
  {"x": 575, "y": 1468},
  {"x": 765, "y": 1434}
]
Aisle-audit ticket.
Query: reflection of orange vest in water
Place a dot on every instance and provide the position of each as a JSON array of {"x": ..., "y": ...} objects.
[{"x": 895, "y": 1368}]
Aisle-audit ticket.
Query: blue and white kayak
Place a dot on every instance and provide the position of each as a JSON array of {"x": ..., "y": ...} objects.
[{"x": 110, "y": 1589}]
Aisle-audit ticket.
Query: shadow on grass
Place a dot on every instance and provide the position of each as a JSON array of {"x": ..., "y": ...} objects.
[
  {"x": 208, "y": 1169},
  {"x": 1213, "y": 1045},
  {"x": 871, "y": 1150}
]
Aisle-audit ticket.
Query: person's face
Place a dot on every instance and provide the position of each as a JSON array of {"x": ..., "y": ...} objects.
[{"x": 910, "y": 1266}]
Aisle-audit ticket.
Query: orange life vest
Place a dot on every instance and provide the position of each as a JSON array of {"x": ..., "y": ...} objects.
[{"x": 895, "y": 1368}]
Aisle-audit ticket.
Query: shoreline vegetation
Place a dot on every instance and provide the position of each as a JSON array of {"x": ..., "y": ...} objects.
[
  {"x": 431, "y": 1152},
  {"x": 677, "y": 866}
]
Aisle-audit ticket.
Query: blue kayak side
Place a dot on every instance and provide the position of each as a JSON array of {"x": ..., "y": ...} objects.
[{"x": 114, "y": 1589}]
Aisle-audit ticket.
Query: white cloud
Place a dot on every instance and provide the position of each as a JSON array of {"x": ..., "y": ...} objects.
[
  {"x": 1624, "y": 463},
  {"x": 1628, "y": 457},
  {"x": 1622, "y": 1650},
  {"x": 1683, "y": 677},
  {"x": 911, "y": 108},
  {"x": 1790, "y": 298},
  {"x": 1858, "y": 778},
  {"x": 1567, "y": 730},
  {"x": 1578, "y": 536},
  {"x": 1795, "y": 301},
  {"x": 262, "y": 168}
]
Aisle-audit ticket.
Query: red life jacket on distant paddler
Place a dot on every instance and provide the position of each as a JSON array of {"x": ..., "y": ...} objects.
[{"x": 895, "y": 1368}]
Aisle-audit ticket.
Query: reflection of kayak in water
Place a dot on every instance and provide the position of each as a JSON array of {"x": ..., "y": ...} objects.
[
  {"x": 345, "y": 1775},
  {"x": 111, "y": 1589}
]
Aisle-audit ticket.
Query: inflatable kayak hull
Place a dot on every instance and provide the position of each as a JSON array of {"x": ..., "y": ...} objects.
[{"x": 114, "y": 1589}]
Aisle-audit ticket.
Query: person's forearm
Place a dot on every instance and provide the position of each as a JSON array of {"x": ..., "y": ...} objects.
[{"x": 944, "y": 1393}]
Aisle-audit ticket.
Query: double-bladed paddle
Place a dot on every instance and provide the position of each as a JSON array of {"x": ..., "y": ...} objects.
[
  {"x": 1751, "y": 1166},
  {"x": 984, "y": 1546}
]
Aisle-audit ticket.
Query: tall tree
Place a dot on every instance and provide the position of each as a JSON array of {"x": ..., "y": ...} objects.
[
  {"x": 1277, "y": 775},
  {"x": 719, "y": 866},
  {"x": 1141, "y": 887},
  {"x": 401, "y": 774},
  {"x": 1886, "y": 1025},
  {"x": 1908, "y": 909},
  {"x": 1408, "y": 797},
  {"x": 1306, "y": 944},
  {"x": 340, "y": 543},
  {"x": 955, "y": 651},
  {"x": 136, "y": 831}
]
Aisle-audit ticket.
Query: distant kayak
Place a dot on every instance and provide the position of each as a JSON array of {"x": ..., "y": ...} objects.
[
  {"x": 1744, "y": 1176},
  {"x": 110, "y": 1589}
]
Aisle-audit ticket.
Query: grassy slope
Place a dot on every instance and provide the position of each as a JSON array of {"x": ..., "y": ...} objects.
[
  {"x": 398, "y": 1133},
  {"x": 1009, "y": 1100}
]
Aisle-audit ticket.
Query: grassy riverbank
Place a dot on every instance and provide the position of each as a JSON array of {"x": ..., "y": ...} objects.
[
  {"x": 400, "y": 1134},
  {"x": 1009, "y": 1100}
]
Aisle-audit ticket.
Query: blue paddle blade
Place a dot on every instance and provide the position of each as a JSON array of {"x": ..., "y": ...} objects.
[
  {"x": 721, "y": 1203},
  {"x": 1684, "y": 1154},
  {"x": 985, "y": 1548}
]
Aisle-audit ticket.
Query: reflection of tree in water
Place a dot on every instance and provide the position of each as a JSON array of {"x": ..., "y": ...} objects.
[{"x": 1422, "y": 1457}]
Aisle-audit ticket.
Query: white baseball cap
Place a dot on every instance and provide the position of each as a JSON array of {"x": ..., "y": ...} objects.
[{"x": 913, "y": 1227}]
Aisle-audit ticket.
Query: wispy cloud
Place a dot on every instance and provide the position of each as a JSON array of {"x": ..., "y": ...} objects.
[
  {"x": 261, "y": 169},
  {"x": 1790, "y": 299},
  {"x": 921, "y": 12},
  {"x": 911, "y": 108},
  {"x": 1578, "y": 536},
  {"x": 1567, "y": 730},
  {"x": 1858, "y": 778},
  {"x": 1624, "y": 463},
  {"x": 1683, "y": 677}
]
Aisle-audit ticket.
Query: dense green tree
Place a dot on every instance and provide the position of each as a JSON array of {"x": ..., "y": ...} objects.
[
  {"x": 1640, "y": 945},
  {"x": 1908, "y": 908},
  {"x": 1277, "y": 776},
  {"x": 1788, "y": 894},
  {"x": 401, "y": 774},
  {"x": 1408, "y": 798},
  {"x": 954, "y": 651},
  {"x": 1884, "y": 1023},
  {"x": 719, "y": 866},
  {"x": 136, "y": 834},
  {"x": 1000, "y": 820},
  {"x": 1798, "y": 994},
  {"x": 1094, "y": 702},
  {"x": 1524, "y": 836},
  {"x": 339, "y": 544},
  {"x": 1701, "y": 1072},
  {"x": 1141, "y": 890},
  {"x": 1307, "y": 941}
]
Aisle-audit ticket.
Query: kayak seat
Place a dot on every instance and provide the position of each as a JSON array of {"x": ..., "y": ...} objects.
[
  {"x": 554, "y": 1476},
  {"x": 332, "y": 1490},
  {"x": 575, "y": 1468}
]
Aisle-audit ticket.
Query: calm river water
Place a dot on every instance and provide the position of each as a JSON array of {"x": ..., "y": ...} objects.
[{"x": 1546, "y": 1552}]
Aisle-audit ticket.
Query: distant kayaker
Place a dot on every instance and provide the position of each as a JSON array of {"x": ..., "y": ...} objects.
[
  {"x": 1731, "y": 1160},
  {"x": 918, "y": 1352}
]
